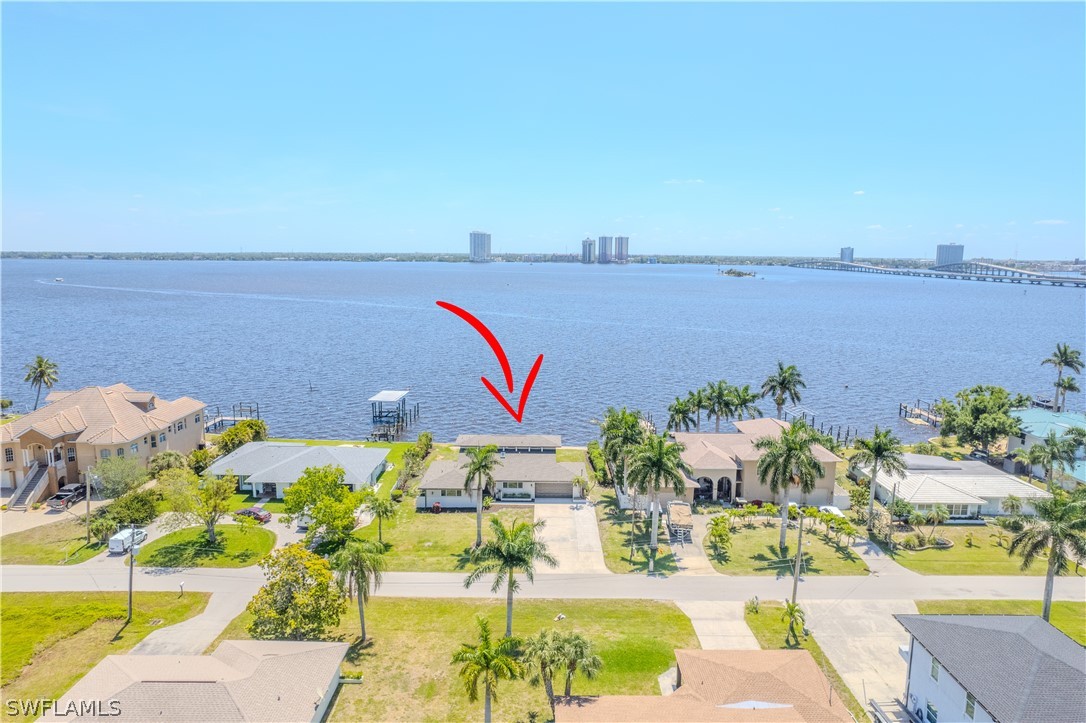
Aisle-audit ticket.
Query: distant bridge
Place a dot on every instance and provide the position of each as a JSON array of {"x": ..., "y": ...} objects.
[{"x": 967, "y": 270}]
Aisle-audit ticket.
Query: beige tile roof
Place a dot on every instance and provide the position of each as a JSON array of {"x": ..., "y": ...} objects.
[
  {"x": 101, "y": 415},
  {"x": 752, "y": 686},
  {"x": 243, "y": 680},
  {"x": 708, "y": 450}
]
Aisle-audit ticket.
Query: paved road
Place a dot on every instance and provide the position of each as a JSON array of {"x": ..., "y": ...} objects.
[{"x": 573, "y": 536}]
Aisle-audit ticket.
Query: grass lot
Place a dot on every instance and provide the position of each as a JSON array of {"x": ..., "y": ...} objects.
[
  {"x": 771, "y": 631},
  {"x": 615, "y": 529},
  {"x": 409, "y": 677},
  {"x": 241, "y": 500},
  {"x": 572, "y": 454},
  {"x": 1070, "y": 617},
  {"x": 425, "y": 542},
  {"x": 9, "y": 418},
  {"x": 234, "y": 546},
  {"x": 52, "y": 639},
  {"x": 984, "y": 558},
  {"x": 49, "y": 544},
  {"x": 754, "y": 551},
  {"x": 444, "y": 451}
]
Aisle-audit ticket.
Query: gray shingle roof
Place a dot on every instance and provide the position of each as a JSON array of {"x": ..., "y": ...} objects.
[
  {"x": 284, "y": 462},
  {"x": 527, "y": 467},
  {"x": 509, "y": 440},
  {"x": 1018, "y": 667}
]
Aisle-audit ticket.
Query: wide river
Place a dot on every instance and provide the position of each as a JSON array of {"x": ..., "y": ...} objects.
[{"x": 312, "y": 341}]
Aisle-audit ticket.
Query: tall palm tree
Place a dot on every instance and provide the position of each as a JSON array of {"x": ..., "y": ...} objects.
[
  {"x": 41, "y": 373},
  {"x": 1058, "y": 530},
  {"x": 784, "y": 383},
  {"x": 358, "y": 566},
  {"x": 1077, "y": 435},
  {"x": 487, "y": 662},
  {"x": 1031, "y": 456},
  {"x": 622, "y": 431},
  {"x": 794, "y": 614},
  {"x": 1067, "y": 384},
  {"x": 786, "y": 460},
  {"x": 480, "y": 466},
  {"x": 383, "y": 508},
  {"x": 1064, "y": 357},
  {"x": 680, "y": 416},
  {"x": 743, "y": 401},
  {"x": 579, "y": 656},
  {"x": 697, "y": 401},
  {"x": 657, "y": 464},
  {"x": 718, "y": 401},
  {"x": 543, "y": 653},
  {"x": 513, "y": 548},
  {"x": 883, "y": 452},
  {"x": 1054, "y": 452}
]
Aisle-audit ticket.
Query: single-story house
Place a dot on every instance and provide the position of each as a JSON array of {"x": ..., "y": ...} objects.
[
  {"x": 268, "y": 468},
  {"x": 725, "y": 465},
  {"x": 747, "y": 686},
  {"x": 1035, "y": 424},
  {"x": 968, "y": 488},
  {"x": 513, "y": 443},
  {"x": 992, "y": 668},
  {"x": 519, "y": 477},
  {"x": 243, "y": 680}
]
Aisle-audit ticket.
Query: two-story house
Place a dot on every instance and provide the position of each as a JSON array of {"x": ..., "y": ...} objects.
[
  {"x": 1035, "y": 423},
  {"x": 59, "y": 442}
]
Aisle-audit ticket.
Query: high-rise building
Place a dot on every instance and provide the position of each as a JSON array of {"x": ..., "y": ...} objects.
[
  {"x": 622, "y": 248},
  {"x": 949, "y": 254},
  {"x": 846, "y": 254},
  {"x": 480, "y": 246},
  {"x": 605, "y": 249},
  {"x": 588, "y": 251}
]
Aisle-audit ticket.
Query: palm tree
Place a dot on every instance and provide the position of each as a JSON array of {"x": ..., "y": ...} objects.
[
  {"x": 697, "y": 401},
  {"x": 41, "y": 373},
  {"x": 1030, "y": 457},
  {"x": 784, "y": 383},
  {"x": 1064, "y": 356},
  {"x": 480, "y": 466},
  {"x": 657, "y": 464},
  {"x": 1058, "y": 530},
  {"x": 882, "y": 450},
  {"x": 487, "y": 662},
  {"x": 680, "y": 416},
  {"x": 1054, "y": 452},
  {"x": 579, "y": 655},
  {"x": 938, "y": 515},
  {"x": 1077, "y": 435},
  {"x": 513, "y": 548},
  {"x": 1067, "y": 384},
  {"x": 543, "y": 652},
  {"x": 383, "y": 508},
  {"x": 622, "y": 431},
  {"x": 786, "y": 460},
  {"x": 794, "y": 614},
  {"x": 718, "y": 401},
  {"x": 743, "y": 401},
  {"x": 358, "y": 566}
]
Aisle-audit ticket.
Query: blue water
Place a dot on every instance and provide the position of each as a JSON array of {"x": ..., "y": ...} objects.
[{"x": 227, "y": 332}]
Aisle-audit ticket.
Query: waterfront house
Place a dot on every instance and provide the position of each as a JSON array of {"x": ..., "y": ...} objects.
[
  {"x": 968, "y": 488},
  {"x": 1035, "y": 424},
  {"x": 57, "y": 444},
  {"x": 243, "y": 680},
  {"x": 510, "y": 443},
  {"x": 992, "y": 668},
  {"x": 725, "y": 466},
  {"x": 748, "y": 686},
  {"x": 266, "y": 469}
]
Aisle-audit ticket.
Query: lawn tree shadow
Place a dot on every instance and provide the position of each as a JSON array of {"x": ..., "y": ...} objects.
[
  {"x": 780, "y": 562},
  {"x": 190, "y": 552},
  {"x": 360, "y": 651}
]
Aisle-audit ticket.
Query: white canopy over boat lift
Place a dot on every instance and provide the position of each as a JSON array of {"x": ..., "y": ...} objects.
[{"x": 391, "y": 415}]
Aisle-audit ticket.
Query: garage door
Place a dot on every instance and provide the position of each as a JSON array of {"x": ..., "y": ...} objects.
[{"x": 553, "y": 489}]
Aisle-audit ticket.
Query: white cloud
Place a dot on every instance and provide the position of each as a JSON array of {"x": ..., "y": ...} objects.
[
  {"x": 959, "y": 225},
  {"x": 857, "y": 193},
  {"x": 682, "y": 181},
  {"x": 875, "y": 227},
  {"x": 1011, "y": 223},
  {"x": 1049, "y": 222},
  {"x": 774, "y": 210}
]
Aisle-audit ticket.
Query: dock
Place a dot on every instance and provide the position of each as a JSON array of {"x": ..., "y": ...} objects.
[
  {"x": 217, "y": 421},
  {"x": 920, "y": 413},
  {"x": 391, "y": 415}
]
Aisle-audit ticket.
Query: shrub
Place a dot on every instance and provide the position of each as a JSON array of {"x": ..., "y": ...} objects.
[
  {"x": 598, "y": 462},
  {"x": 118, "y": 475},
  {"x": 487, "y": 502},
  {"x": 135, "y": 508},
  {"x": 36, "y": 506},
  {"x": 200, "y": 460},
  {"x": 753, "y": 605},
  {"x": 102, "y": 528},
  {"x": 167, "y": 460},
  {"x": 397, "y": 495},
  {"x": 424, "y": 444}
]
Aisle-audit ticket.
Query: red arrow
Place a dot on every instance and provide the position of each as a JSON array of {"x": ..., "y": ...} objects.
[{"x": 496, "y": 347}]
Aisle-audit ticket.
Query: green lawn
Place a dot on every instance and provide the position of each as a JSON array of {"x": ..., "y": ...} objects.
[
  {"x": 444, "y": 451},
  {"x": 57, "y": 543},
  {"x": 984, "y": 557},
  {"x": 615, "y": 529},
  {"x": 235, "y": 546},
  {"x": 51, "y": 639},
  {"x": 572, "y": 454},
  {"x": 409, "y": 677},
  {"x": 9, "y": 418},
  {"x": 241, "y": 500},
  {"x": 1070, "y": 617},
  {"x": 754, "y": 551},
  {"x": 771, "y": 630}
]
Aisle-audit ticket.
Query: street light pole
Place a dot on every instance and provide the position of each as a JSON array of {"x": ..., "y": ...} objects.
[{"x": 131, "y": 565}]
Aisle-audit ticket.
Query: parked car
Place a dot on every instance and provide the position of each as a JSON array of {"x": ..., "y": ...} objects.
[
  {"x": 123, "y": 540},
  {"x": 836, "y": 512},
  {"x": 257, "y": 513},
  {"x": 67, "y": 496}
]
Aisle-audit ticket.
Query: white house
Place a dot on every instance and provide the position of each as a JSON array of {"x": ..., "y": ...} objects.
[
  {"x": 992, "y": 668},
  {"x": 522, "y": 477},
  {"x": 268, "y": 468},
  {"x": 968, "y": 488},
  {"x": 1035, "y": 424}
]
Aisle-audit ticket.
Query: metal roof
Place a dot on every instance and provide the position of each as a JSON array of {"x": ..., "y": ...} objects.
[{"x": 389, "y": 395}]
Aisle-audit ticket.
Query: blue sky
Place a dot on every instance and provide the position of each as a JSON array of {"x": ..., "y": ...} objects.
[{"x": 724, "y": 128}]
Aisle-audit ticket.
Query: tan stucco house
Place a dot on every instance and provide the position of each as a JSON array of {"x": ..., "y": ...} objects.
[{"x": 54, "y": 445}]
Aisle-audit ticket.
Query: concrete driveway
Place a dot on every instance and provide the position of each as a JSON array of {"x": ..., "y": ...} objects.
[
  {"x": 862, "y": 640},
  {"x": 572, "y": 535},
  {"x": 719, "y": 625},
  {"x": 690, "y": 556},
  {"x": 17, "y": 520}
]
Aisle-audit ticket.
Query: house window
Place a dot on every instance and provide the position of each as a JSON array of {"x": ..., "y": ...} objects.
[
  {"x": 970, "y": 706},
  {"x": 932, "y": 715},
  {"x": 9, "y": 454},
  {"x": 120, "y": 451},
  {"x": 196, "y": 419},
  {"x": 452, "y": 493},
  {"x": 136, "y": 448},
  {"x": 934, "y": 669},
  {"x": 513, "y": 485},
  {"x": 71, "y": 454},
  {"x": 162, "y": 438},
  {"x": 105, "y": 454}
]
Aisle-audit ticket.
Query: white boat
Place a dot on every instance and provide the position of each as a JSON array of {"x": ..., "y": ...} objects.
[{"x": 59, "y": 279}]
